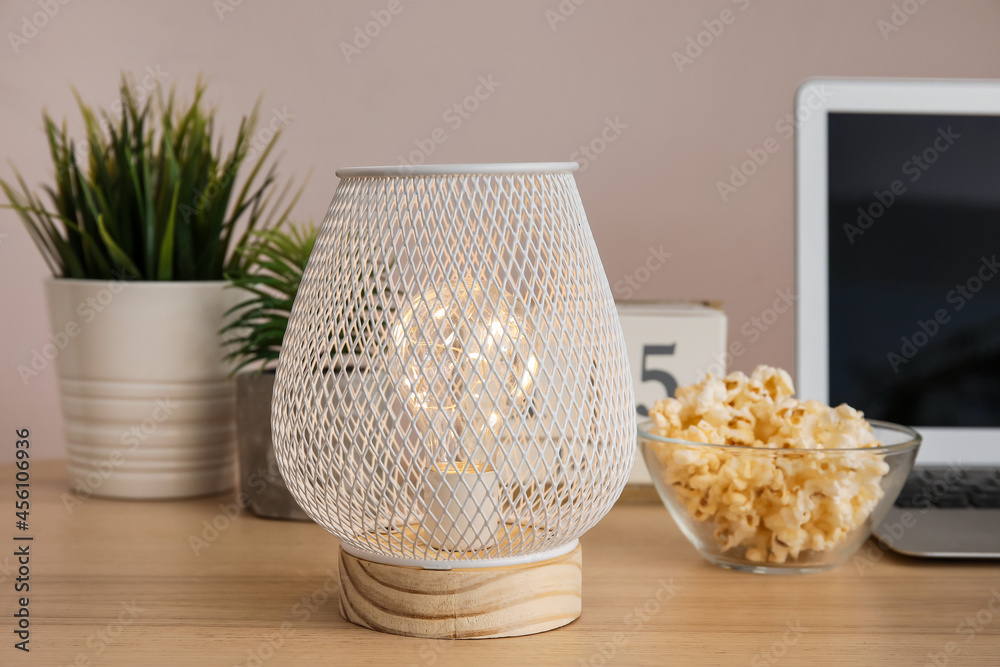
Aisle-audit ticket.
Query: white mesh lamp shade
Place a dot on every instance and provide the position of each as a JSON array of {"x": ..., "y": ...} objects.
[{"x": 453, "y": 396}]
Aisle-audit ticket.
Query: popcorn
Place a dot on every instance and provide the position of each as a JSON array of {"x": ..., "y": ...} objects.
[{"x": 773, "y": 506}]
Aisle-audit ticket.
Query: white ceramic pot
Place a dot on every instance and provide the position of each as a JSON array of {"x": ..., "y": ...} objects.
[{"x": 147, "y": 405}]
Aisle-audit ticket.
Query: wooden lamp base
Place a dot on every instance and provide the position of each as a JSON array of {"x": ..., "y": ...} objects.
[{"x": 463, "y": 603}]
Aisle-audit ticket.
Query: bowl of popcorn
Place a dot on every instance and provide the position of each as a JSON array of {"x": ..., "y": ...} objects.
[{"x": 761, "y": 481}]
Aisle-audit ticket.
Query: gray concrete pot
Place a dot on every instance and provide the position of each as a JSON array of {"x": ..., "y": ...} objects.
[{"x": 262, "y": 488}]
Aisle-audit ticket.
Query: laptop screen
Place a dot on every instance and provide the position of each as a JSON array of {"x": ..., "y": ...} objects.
[{"x": 914, "y": 267}]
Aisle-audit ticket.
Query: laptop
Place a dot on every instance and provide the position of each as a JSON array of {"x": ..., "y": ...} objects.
[{"x": 897, "y": 243}]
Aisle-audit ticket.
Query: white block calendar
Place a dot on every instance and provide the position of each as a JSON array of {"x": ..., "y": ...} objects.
[{"x": 669, "y": 344}]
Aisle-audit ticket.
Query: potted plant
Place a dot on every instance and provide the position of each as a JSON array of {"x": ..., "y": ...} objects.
[
  {"x": 139, "y": 241},
  {"x": 274, "y": 260}
]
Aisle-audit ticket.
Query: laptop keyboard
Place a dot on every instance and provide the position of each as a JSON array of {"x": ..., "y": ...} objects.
[{"x": 932, "y": 486}]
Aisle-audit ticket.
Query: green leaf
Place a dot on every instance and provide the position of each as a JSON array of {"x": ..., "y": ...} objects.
[
  {"x": 158, "y": 183},
  {"x": 116, "y": 252},
  {"x": 273, "y": 265},
  {"x": 167, "y": 249}
]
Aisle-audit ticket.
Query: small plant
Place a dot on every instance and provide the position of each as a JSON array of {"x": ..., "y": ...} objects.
[
  {"x": 273, "y": 263},
  {"x": 274, "y": 260},
  {"x": 157, "y": 199}
]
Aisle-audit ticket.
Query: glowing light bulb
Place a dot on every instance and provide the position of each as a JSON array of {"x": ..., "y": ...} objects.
[{"x": 462, "y": 357}]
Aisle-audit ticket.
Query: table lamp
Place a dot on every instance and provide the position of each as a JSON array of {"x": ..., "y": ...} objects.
[{"x": 453, "y": 398}]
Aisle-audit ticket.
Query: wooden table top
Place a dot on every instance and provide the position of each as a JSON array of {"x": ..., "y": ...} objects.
[{"x": 153, "y": 583}]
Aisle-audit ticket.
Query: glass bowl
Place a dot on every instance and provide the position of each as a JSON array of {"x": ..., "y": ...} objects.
[{"x": 779, "y": 511}]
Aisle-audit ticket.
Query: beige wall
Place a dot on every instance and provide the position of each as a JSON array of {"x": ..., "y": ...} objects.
[{"x": 655, "y": 184}]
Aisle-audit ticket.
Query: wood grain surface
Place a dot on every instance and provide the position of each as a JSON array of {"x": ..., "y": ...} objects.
[
  {"x": 461, "y": 604},
  {"x": 197, "y": 582}
]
